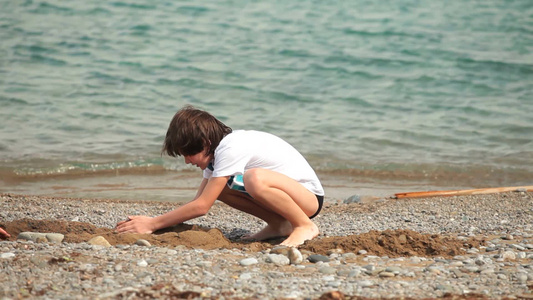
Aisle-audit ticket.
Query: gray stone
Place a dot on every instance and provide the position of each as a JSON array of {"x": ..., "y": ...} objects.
[
  {"x": 334, "y": 284},
  {"x": 248, "y": 261},
  {"x": 369, "y": 268},
  {"x": 394, "y": 269},
  {"x": 365, "y": 283},
  {"x": 278, "y": 259},
  {"x": 317, "y": 257},
  {"x": 354, "y": 273},
  {"x": 327, "y": 270},
  {"x": 353, "y": 199},
  {"x": 55, "y": 237},
  {"x": 32, "y": 236},
  {"x": 518, "y": 247},
  {"x": 456, "y": 264},
  {"x": 349, "y": 255},
  {"x": 7, "y": 255}
]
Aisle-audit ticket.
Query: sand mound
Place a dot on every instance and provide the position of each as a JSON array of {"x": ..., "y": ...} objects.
[{"x": 393, "y": 243}]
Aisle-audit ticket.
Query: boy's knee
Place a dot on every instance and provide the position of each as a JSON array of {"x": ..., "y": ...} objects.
[{"x": 253, "y": 178}]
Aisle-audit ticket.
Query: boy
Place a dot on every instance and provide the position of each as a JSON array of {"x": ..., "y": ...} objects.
[{"x": 252, "y": 171}]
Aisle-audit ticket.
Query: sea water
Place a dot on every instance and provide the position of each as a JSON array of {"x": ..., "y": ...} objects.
[{"x": 379, "y": 96}]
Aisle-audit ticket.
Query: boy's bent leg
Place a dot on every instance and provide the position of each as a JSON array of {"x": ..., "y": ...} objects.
[
  {"x": 287, "y": 198},
  {"x": 277, "y": 225}
]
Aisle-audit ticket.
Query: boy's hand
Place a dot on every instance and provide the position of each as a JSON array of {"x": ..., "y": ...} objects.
[
  {"x": 135, "y": 224},
  {"x": 4, "y": 234}
]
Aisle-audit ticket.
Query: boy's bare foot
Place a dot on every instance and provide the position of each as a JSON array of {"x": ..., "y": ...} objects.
[
  {"x": 269, "y": 232},
  {"x": 301, "y": 234}
]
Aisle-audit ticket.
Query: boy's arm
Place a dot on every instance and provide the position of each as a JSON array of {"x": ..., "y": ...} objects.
[{"x": 208, "y": 193}]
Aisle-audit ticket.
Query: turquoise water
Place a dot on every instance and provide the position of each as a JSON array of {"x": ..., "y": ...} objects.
[{"x": 377, "y": 93}]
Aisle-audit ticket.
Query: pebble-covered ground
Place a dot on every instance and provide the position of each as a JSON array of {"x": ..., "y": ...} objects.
[{"x": 499, "y": 266}]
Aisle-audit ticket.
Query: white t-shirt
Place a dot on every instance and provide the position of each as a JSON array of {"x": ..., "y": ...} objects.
[{"x": 242, "y": 150}]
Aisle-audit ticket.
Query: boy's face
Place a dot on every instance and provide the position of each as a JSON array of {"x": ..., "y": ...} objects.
[{"x": 201, "y": 160}]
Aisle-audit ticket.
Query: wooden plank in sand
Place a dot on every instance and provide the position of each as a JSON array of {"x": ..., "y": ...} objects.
[{"x": 528, "y": 188}]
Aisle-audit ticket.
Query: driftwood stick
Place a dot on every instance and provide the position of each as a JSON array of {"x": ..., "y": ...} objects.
[{"x": 528, "y": 188}]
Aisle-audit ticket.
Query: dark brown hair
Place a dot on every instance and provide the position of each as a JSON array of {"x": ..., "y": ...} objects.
[{"x": 191, "y": 131}]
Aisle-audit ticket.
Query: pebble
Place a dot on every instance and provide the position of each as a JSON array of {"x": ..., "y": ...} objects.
[
  {"x": 7, "y": 255},
  {"x": 278, "y": 259},
  {"x": 248, "y": 261},
  {"x": 55, "y": 237},
  {"x": 353, "y": 199},
  {"x": 317, "y": 257},
  {"x": 295, "y": 256},
  {"x": 99, "y": 241},
  {"x": 142, "y": 263},
  {"x": 509, "y": 255},
  {"x": 143, "y": 243},
  {"x": 327, "y": 270}
]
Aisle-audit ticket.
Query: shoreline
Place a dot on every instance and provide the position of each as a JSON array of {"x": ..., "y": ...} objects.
[
  {"x": 180, "y": 186},
  {"x": 353, "y": 239}
]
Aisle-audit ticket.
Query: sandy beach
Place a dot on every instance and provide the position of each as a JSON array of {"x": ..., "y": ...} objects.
[{"x": 462, "y": 246}]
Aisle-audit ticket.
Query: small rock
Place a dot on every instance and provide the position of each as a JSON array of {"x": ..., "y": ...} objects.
[
  {"x": 393, "y": 269},
  {"x": 456, "y": 264},
  {"x": 521, "y": 277},
  {"x": 327, "y": 270},
  {"x": 99, "y": 241},
  {"x": 369, "y": 268},
  {"x": 7, "y": 255},
  {"x": 509, "y": 255},
  {"x": 31, "y": 236},
  {"x": 317, "y": 257},
  {"x": 508, "y": 237},
  {"x": 248, "y": 261},
  {"x": 354, "y": 273},
  {"x": 518, "y": 247},
  {"x": 278, "y": 259},
  {"x": 365, "y": 283},
  {"x": 118, "y": 268},
  {"x": 55, "y": 237},
  {"x": 143, "y": 243},
  {"x": 349, "y": 255},
  {"x": 386, "y": 274},
  {"x": 283, "y": 250},
  {"x": 295, "y": 256},
  {"x": 353, "y": 199},
  {"x": 142, "y": 263},
  {"x": 334, "y": 284}
]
